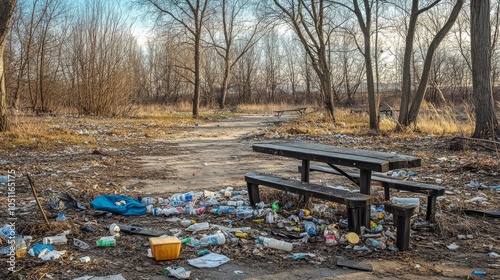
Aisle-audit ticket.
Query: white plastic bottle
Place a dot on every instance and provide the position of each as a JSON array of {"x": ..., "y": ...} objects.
[
  {"x": 55, "y": 240},
  {"x": 148, "y": 201},
  {"x": 376, "y": 243},
  {"x": 198, "y": 226},
  {"x": 214, "y": 239},
  {"x": 277, "y": 244}
]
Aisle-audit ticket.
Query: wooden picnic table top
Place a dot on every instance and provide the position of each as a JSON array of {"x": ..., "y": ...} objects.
[{"x": 362, "y": 159}]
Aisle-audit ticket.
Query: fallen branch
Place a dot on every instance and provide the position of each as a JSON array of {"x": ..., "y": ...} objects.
[{"x": 37, "y": 200}]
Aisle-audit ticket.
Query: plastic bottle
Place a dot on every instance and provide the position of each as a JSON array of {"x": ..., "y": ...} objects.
[
  {"x": 21, "y": 247},
  {"x": 106, "y": 241},
  {"x": 177, "y": 203},
  {"x": 61, "y": 218},
  {"x": 114, "y": 230},
  {"x": 148, "y": 201},
  {"x": 188, "y": 208},
  {"x": 198, "y": 226},
  {"x": 223, "y": 210},
  {"x": 376, "y": 243},
  {"x": 214, "y": 239},
  {"x": 235, "y": 203},
  {"x": 7, "y": 232},
  {"x": 276, "y": 244},
  {"x": 275, "y": 205},
  {"x": 55, "y": 240},
  {"x": 200, "y": 210},
  {"x": 244, "y": 214},
  {"x": 310, "y": 228}
]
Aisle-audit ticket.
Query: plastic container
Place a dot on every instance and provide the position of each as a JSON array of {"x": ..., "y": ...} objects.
[
  {"x": 277, "y": 244},
  {"x": 21, "y": 247},
  {"x": 7, "y": 232},
  {"x": 106, "y": 241},
  {"x": 214, "y": 239},
  {"x": 310, "y": 228},
  {"x": 376, "y": 243},
  {"x": 148, "y": 200},
  {"x": 55, "y": 240},
  {"x": 223, "y": 210},
  {"x": 61, "y": 218},
  {"x": 352, "y": 238},
  {"x": 198, "y": 226},
  {"x": 114, "y": 230},
  {"x": 235, "y": 203},
  {"x": 244, "y": 214},
  {"x": 165, "y": 248}
]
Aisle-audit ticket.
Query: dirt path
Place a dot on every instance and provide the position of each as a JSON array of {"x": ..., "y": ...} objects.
[{"x": 215, "y": 155}]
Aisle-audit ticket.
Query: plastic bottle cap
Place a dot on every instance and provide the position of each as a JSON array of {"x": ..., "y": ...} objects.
[{"x": 352, "y": 238}]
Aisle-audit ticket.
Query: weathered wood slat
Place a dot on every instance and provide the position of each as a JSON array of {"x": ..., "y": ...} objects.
[
  {"x": 396, "y": 161},
  {"x": 362, "y": 162},
  {"x": 354, "y": 201}
]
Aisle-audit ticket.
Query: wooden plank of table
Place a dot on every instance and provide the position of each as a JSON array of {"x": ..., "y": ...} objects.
[
  {"x": 358, "y": 161},
  {"x": 396, "y": 161}
]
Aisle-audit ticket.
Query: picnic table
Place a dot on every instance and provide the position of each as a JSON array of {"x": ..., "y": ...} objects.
[
  {"x": 298, "y": 111},
  {"x": 366, "y": 161}
]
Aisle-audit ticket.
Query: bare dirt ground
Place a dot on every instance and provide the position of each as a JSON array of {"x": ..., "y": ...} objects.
[{"x": 215, "y": 155}]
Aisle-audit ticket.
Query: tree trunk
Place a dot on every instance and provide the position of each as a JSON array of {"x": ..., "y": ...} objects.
[
  {"x": 422, "y": 86},
  {"x": 197, "y": 71},
  {"x": 6, "y": 12},
  {"x": 486, "y": 122}
]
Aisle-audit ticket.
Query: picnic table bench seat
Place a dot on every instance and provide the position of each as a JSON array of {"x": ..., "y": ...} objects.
[
  {"x": 432, "y": 191},
  {"x": 299, "y": 111},
  {"x": 353, "y": 201}
]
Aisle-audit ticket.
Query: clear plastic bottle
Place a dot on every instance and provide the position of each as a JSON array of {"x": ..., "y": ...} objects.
[
  {"x": 188, "y": 208},
  {"x": 235, "y": 203},
  {"x": 61, "y": 218},
  {"x": 245, "y": 213},
  {"x": 223, "y": 210},
  {"x": 214, "y": 239},
  {"x": 198, "y": 226},
  {"x": 310, "y": 228},
  {"x": 7, "y": 232},
  {"x": 106, "y": 241},
  {"x": 177, "y": 203},
  {"x": 376, "y": 243},
  {"x": 148, "y": 200},
  {"x": 55, "y": 240},
  {"x": 276, "y": 244},
  {"x": 21, "y": 247}
]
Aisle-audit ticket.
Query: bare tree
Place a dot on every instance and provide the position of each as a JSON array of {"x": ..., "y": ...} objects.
[
  {"x": 6, "y": 11},
  {"x": 191, "y": 15},
  {"x": 309, "y": 21},
  {"x": 236, "y": 25},
  {"x": 486, "y": 122},
  {"x": 408, "y": 116}
]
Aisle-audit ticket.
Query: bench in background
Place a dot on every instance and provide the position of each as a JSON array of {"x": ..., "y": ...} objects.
[
  {"x": 299, "y": 111},
  {"x": 432, "y": 191},
  {"x": 353, "y": 201}
]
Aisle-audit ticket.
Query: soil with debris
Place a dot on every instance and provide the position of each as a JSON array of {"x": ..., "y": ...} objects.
[{"x": 216, "y": 155}]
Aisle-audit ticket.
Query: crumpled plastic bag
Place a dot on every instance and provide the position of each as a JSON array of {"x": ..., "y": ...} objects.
[{"x": 62, "y": 201}]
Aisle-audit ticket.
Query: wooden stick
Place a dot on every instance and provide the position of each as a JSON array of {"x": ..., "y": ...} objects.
[{"x": 37, "y": 200}]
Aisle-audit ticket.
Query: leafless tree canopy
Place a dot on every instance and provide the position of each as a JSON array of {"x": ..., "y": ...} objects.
[{"x": 101, "y": 57}]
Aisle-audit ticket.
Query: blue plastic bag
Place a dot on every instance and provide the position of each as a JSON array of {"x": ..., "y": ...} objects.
[{"x": 119, "y": 204}]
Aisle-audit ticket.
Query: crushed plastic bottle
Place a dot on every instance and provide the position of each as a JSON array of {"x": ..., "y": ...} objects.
[
  {"x": 310, "y": 228},
  {"x": 378, "y": 244},
  {"x": 275, "y": 206},
  {"x": 223, "y": 210},
  {"x": 214, "y": 239},
  {"x": 148, "y": 201},
  {"x": 276, "y": 244},
  {"x": 21, "y": 247},
  {"x": 245, "y": 213},
  {"x": 178, "y": 272},
  {"x": 198, "y": 227},
  {"x": 61, "y": 218},
  {"x": 235, "y": 203},
  {"x": 7, "y": 232}
]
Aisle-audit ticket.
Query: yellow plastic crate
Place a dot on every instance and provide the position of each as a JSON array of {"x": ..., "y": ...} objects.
[{"x": 165, "y": 248}]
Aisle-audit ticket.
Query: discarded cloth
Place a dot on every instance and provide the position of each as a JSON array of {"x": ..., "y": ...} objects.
[{"x": 119, "y": 204}]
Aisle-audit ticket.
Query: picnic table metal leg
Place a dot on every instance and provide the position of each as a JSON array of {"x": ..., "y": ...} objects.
[
  {"x": 353, "y": 220},
  {"x": 253, "y": 193},
  {"x": 304, "y": 177},
  {"x": 364, "y": 186},
  {"x": 431, "y": 208}
]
